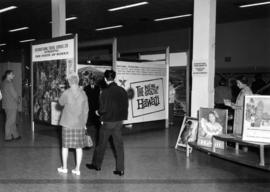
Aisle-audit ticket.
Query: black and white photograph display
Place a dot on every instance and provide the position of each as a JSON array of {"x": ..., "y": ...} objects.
[
  {"x": 49, "y": 83},
  {"x": 256, "y": 126},
  {"x": 211, "y": 122},
  {"x": 95, "y": 72},
  {"x": 188, "y": 132},
  {"x": 52, "y": 61}
]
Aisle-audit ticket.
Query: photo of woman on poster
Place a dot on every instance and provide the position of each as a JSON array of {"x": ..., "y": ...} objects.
[{"x": 210, "y": 126}]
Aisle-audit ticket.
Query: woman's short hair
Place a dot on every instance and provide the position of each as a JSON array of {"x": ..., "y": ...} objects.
[
  {"x": 73, "y": 79},
  {"x": 7, "y": 72},
  {"x": 242, "y": 79}
]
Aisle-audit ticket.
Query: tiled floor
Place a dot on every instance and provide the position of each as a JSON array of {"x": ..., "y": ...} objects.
[{"x": 152, "y": 165}]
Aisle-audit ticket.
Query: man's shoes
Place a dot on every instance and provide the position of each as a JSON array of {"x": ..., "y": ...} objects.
[
  {"x": 18, "y": 138},
  {"x": 8, "y": 140},
  {"x": 120, "y": 173},
  {"x": 91, "y": 166}
]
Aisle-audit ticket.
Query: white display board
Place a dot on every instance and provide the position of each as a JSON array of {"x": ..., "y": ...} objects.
[
  {"x": 256, "y": 126},
  {"x": 147, "y": 83}
]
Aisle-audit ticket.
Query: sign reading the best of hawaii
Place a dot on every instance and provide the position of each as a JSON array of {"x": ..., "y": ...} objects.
[{"x": 148, "y": 97}]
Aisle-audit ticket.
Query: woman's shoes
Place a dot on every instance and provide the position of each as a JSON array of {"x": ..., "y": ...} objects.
[
  {"x": 75, "y": 172},
  {"x": 62, "y": 170}
]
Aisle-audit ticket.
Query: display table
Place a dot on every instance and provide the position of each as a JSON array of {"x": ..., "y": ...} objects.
[
  {"x": 238, "y": 141},
  {"x": 234, "y": 154}
]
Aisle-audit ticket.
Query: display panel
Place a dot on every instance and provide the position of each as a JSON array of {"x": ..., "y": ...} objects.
[
  {"x": 52, "y": 61},
  {"x": 256, "y": 126}
]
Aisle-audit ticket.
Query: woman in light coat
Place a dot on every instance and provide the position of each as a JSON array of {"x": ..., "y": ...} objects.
[
  {"x": 238, "y": 106},
  {"x": 73, "y": 122}
]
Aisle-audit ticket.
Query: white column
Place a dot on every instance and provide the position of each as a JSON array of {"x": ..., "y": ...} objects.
[
  {"x": 203, "y": 61},
  {"x": 58, "y": 18}
]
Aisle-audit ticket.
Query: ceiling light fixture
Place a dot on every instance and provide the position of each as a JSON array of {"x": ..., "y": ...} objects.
[
  {"x": 7, "y": 9},
  {"x": 255, "y": 4},
  {"x": 2, "y": 44},
  {"x": 111, "y": 27},
  {"x": 27, "y": 40},
  {"x": 18, "y": 29},
  {"x": 128, "y": 6},
  {"x": 173, "y": 17},
  {"x": 69, "y": 19}
]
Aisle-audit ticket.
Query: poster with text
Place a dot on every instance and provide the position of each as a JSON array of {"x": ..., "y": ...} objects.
[
  {"x": 211, "y": 122},
  {"x": 256, "y": 126},
  {"x": 146, "y": 86},
  {"x": 52, "y": 62}
]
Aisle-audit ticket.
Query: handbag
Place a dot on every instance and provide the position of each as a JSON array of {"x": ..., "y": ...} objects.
[{"x": 87, "y": 140}]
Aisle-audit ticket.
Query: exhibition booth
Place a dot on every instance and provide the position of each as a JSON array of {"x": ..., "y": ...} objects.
[{"x": 145, "y": 78}]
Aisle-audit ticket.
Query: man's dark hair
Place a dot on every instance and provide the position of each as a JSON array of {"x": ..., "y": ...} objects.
[{"x": 109, "y": 75}]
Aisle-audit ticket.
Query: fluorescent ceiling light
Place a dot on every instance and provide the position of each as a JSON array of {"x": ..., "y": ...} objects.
[
  {"x": 27, "y": 40},
  {"x": 173, "y": 17},
  {"x": 2, "y": 44},
  {"x": 128, "y": 6},
  {"x": 111, "y": 27},
  {"x": 69, "y": 19},
  {"x": 254, "y": 4},
  {"x": 18, "y": 29},
  {"x": 7, "y": 9}
]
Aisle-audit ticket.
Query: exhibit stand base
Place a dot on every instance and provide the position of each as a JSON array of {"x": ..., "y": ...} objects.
[{"x": 256, "y": 156}]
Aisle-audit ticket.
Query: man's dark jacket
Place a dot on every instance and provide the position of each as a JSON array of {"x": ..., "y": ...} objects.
[
  {"x": 93, "y": 102},
  {"x": 113, "y": 103}
]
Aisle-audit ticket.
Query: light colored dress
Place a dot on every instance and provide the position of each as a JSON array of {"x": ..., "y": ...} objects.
[
  {"x": 209, "y": 129},
  {"x": 238, "y": 107}
]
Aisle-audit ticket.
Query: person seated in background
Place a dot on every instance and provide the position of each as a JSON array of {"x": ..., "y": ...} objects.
[
  {"x": 258, "y": 83},
  {"x": 222, "y": 91}
]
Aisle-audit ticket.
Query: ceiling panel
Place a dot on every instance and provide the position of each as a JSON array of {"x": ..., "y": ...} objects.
[{"x": 93, "y": 14}]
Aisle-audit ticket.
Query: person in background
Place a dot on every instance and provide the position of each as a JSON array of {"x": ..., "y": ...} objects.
[
  {"x": 73, "y": 121},
  {"x": 258, "y": 83},
  {"x": 10, "y": 105},
  {"x": 113, "y": 110},
  {"x": 171, "y": 102},
  {"x": 242, "y": 83},
  {"x": 93, "y": 123},
  {"x": 222, "y": 91}
]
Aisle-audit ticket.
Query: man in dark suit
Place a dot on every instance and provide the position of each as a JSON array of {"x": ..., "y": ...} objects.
[
  {"x": 93, "y": 123},
  {"x": 113, "y": 110}
]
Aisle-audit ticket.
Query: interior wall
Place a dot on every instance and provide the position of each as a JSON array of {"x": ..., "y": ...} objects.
[
  {"x": 243, "y": 45},
  {"x": 240, "y": 46},
  {"x": 178, "y": 40}
]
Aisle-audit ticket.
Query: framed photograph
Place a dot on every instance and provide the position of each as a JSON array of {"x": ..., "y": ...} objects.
[
  {"x": 188, "y": 132},
  {"x": 211, "y": 122},
  {"x": 256, "y": 125}
]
